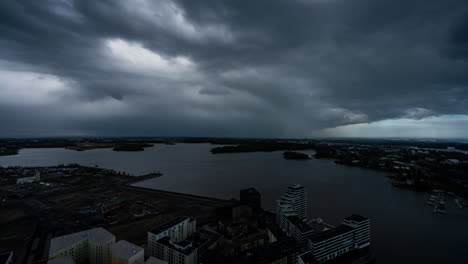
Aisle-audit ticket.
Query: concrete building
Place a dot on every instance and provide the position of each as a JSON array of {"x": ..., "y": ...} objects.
[
  {"x": 332, "y": 243},
  {"x": 299, "y": 230},
  {"x": 153, "y": 260},
  {"x": 361, "y": 227},
  {"x": 61, "y": 260},
  {"x": 291, "y": 214},
  {"x": 353, "y": 234},
  {"x": 293, "y": 202},
  {"x": 171, "y": 241},
  {"x": 297, "y": 196},
  {"x": 89, "y": 246},
  {"x": 251, "y": 197},
  {"x": 124, "y": 252}
]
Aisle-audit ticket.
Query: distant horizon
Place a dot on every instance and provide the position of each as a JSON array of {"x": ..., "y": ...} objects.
[
  {"x": 273, "y": 69},
  {"x": 231, "y": 137}
]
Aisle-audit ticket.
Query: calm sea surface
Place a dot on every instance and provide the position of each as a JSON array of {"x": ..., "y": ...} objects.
[{"x": 404, "y": 229}]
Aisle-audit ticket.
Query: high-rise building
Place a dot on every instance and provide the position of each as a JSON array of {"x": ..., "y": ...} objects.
[
  {"x": 291, "y": 214},
  {"x": 124, "y": 252},
  {"x": 293, "y": 202},
  {"x": 89, "y": 246},
  {"x": 170, "y": 242},
  {"x": 296, "y": 197},
  {"x": 251, "y": 197}
]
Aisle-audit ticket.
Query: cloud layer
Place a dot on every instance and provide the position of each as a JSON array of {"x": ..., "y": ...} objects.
[{"x": 228, "y": 68}]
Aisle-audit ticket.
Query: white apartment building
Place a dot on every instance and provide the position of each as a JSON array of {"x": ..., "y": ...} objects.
[
  {"x": 361, "y": 227},
  {"x": 353, "y": 234},
  {"x": 124, "y": 252},
  {"x": 89, "y": 246},
  {"x": 291, "y": 203},
  {"x": 169, "y": 241}
]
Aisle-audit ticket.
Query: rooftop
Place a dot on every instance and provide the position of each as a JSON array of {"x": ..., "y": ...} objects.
[
  {"x": 356, "y": 218},
  {"x": 339, "y": 230},
  {"x": 125, "y": 250},
  {"x": 95, "y": 235},
  {"x": 169, "y": 224},
  {"x": 301, "y": 225},
  {"x": 153, "y": 260},
  {"x": 167, "y": 243}
]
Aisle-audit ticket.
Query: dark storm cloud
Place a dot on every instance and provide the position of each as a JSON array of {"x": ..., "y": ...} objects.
[{"x": 228, "y": 68}]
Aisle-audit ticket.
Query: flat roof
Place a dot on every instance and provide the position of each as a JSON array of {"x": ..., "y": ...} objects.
[
  {"x": 167, "y": 243},
  {"x": 95, "y": 235},
  {"x": 356, "y": 218},
  {"x": 297, "y": 222},
  {"x": 153, "y": 260},
  {"x": 125, "y": 250},
  {"x": 339, "y": 230},
  {"x": 169, "y": 224}
]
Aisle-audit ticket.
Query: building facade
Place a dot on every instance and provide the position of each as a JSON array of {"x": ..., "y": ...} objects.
[
  {"x": 89, "y": 246},
  {"x": 291, "y": 214},
  {"x": 361, "y": 227},
  {"x": 170, "y": 242},
  {"x": 353, "y": 234},
  {"x": 293, "y": 202}
]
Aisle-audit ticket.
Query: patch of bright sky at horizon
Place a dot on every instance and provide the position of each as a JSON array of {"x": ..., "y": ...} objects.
[{"x": 444, "y": 126}]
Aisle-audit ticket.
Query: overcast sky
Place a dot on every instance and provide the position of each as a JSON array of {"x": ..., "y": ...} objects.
[{"x": 273, "y": 68}]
